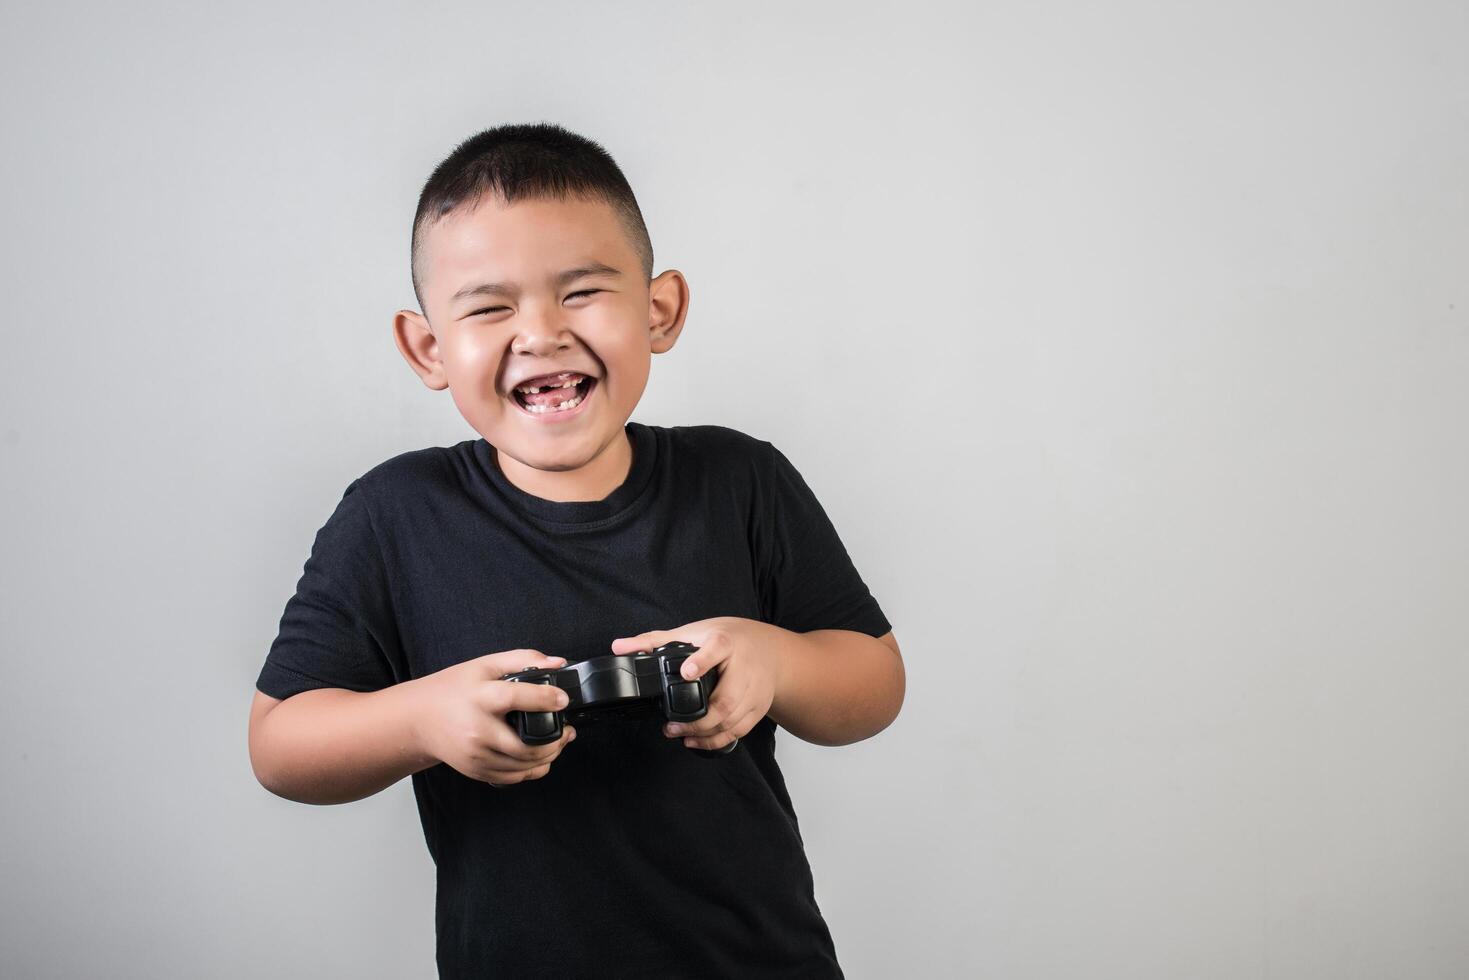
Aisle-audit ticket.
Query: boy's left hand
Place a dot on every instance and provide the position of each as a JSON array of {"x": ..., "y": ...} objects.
[{"x": 749, "y": 673}]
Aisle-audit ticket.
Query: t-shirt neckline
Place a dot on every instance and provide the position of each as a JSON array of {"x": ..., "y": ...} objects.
[{"x": 644, "y": 458}]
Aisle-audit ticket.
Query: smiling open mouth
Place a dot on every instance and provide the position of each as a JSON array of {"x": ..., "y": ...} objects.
[{"x": 555, "y": 401}]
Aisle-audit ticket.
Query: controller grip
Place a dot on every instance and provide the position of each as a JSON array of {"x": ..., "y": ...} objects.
[
  {"x": 536, "y": 727},
  {"x": 689, "y": 700},
  {"x": 685, "y": 700}
]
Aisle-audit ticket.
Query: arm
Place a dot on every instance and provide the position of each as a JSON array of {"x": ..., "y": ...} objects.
[
  {"x": 837, "y": 686},
  {"x": 332, "y": 745}
]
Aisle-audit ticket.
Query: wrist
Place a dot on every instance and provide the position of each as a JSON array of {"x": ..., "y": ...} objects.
[
  {"x": 786, "y": 649},
  {"x": 410, "y": 700}
]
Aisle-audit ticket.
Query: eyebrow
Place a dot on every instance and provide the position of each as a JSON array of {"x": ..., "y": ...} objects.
[{"x": 561, "y": 279}]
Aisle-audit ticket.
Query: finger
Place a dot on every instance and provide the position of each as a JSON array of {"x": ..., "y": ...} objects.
[
  {"x": 510, "y": 661},
  {"x": 521, "y": 775},
  {"x": 720, "y": 706},
  {"x": 704, "y": 727},
  {"x": 508, "y": 696},
  {"x": 641, "y": 642},
  {"x": 513, "y": 754},
  {"x": 500, "y": 780},
  {"x": 723, "y": 703},
  {"x": 523, "y": 696},
  {"x": 707, "y": 725},
  {"x": 737, "y": 728},
  {"x": 715, "y": 650},
  {"x": 739, "y": 720}
]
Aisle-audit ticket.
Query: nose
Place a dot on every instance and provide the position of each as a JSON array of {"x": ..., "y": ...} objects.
[{"x": 540, "y": 334}]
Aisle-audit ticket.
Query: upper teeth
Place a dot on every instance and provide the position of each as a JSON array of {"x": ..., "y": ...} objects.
[{"x": 530, "y": 390}]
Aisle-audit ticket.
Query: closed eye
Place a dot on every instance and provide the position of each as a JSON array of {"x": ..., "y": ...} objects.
[{"x": 496, "y": 309}]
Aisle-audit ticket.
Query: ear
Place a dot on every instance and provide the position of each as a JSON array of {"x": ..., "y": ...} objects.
[
  {"x": 419, "y": 347},
  {"x": 668, "y": 304}
]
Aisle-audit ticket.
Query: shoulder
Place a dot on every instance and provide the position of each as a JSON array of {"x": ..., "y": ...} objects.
[
  {"x": 739, "y": 456},
  {"x": 719, "y": 444},
  {"x": 722, "y": 453},
  {"x": 413, "y": 471}
]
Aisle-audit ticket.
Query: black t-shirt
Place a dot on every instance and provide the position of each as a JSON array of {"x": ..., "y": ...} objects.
[{"x": 634, "y": 855}]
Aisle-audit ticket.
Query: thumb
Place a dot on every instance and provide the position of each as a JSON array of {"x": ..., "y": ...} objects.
[
  {"x": 643, "y": 641},
  {"x": 509, "y": 661}
]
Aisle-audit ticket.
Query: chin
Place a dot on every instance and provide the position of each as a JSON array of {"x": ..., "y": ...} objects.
[
  {"x": 559, "y": 466},
  {"x": 551, "y": 455}
]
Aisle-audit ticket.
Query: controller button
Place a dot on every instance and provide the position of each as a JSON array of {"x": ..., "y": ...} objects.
[{"x": 539, "y": 723}]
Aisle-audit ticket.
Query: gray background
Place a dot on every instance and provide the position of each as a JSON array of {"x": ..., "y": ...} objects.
[{"x": 1171, "y": 530}]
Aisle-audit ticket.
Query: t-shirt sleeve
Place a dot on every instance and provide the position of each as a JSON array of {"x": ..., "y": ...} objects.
[
  {"x": 806, "y": 578},
  {"x": 338, "y": 629}
]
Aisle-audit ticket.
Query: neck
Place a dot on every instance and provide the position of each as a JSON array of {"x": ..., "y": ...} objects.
[{"x": 593, "y": 480}]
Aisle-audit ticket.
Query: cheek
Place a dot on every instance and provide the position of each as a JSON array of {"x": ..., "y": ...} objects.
[
  {"x": 624, "y": 349},
  {"x": 470, "y": 365},
  {"x": 470, "y": 347},
  {"x": 630, "y": 365},
  {"x": 470, "y": 360}
]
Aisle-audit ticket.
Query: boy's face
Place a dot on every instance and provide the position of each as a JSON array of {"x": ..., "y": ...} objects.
[{"x": 481, "y": 343}]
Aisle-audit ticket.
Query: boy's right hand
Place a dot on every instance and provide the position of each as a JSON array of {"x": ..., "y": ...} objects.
[{"x": 461, "y": 718}]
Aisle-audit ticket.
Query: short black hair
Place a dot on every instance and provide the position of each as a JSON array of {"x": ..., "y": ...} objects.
[{"x": 528, "y": 161}]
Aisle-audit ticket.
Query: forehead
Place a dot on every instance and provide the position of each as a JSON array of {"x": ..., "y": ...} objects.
[{"x": 523, "y": 242}]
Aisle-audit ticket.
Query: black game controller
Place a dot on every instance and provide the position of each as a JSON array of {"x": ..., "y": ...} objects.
[{"x": 629, "y": 684}]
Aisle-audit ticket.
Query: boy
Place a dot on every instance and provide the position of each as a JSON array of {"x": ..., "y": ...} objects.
[{"x": 568, "y": 532}]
